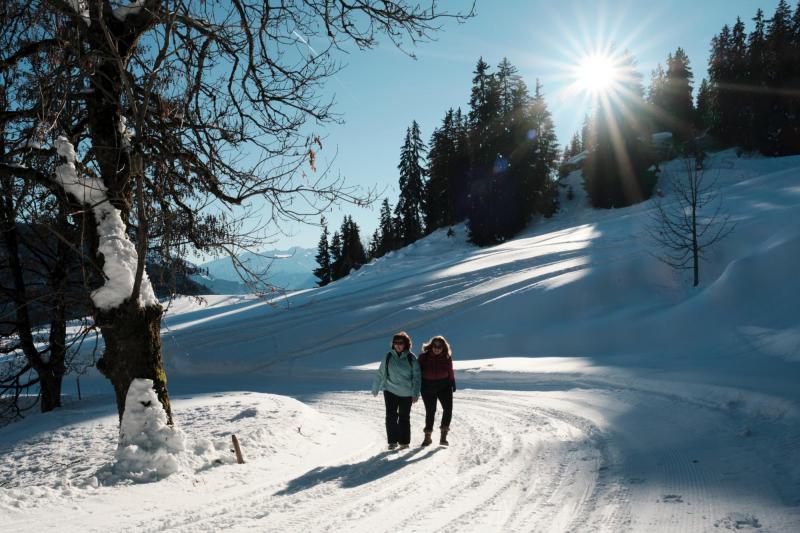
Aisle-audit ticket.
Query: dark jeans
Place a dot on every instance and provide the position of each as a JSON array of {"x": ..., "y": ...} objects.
[
  {"x": 438, "y": 390},
  {"x": 398, "y": 423}
]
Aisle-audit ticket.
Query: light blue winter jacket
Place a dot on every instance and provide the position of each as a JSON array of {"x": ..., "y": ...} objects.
[{"x": 404, "y": 379}]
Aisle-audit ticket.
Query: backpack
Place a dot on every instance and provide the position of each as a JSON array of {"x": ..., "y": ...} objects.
[{"x": 389, "y": 355}]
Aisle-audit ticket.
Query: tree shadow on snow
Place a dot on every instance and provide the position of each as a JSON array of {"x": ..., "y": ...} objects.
[{"x": 356, "y": 474}]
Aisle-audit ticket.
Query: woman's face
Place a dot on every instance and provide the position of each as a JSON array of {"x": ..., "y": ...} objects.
[
  {"x": 437, "y": 347},
  {"x": 399, "y": 345}
]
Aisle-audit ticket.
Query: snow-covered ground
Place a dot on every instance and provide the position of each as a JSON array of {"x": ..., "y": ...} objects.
[{"x": 597, "y": 391}]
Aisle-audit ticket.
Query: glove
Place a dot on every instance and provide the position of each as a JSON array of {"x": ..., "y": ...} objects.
[
  {"x": 374, "y": 393},
  {"x": 453, "y": 385}
]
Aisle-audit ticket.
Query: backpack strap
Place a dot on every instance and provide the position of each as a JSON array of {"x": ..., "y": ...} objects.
[{"x": 389, "y": 355}]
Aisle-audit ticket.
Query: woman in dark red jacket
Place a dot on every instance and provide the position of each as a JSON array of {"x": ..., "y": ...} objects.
[{"x": 438, "y": 384}]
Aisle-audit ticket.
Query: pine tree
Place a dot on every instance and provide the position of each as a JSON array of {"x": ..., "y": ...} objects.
[
  {"x": 387, "y": 231},
  {"x": 539, "y": 192},
  {"x": 670, "y": 96},
  {"x": 783, "y": 134},
  {"x": 575, "y": 145},
  {"x": 615, "y": 172},
  {"x": 374, "y": 242},
  {"x": 520, "y": 184},
  {"x": 722, "y": 69},
  {"x": 507, "y": 78},
  {"x": 755, "y": 111},
  {"x": 678, "y": 102},
  {"x": 703, "y": 116},
  {"x": 347, "y": 250},
  {"x": 353, "y": 254},
  {"x": 412, "y": 186},
  {"x": 438, "y": 206},
  {"x": 587, "y": 134},
  {"x": 323, "y": 257},
  {"x": 460, "y": 176},
  {"x": 484, "y": 106},
  {"x": 337, "y": 266},
  {"x": 656, "y": 97}
]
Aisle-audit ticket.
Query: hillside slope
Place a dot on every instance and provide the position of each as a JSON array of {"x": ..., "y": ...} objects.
[{"x": 597, "y": 391}]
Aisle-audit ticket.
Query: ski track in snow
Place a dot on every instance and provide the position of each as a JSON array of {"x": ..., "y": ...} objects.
[{"x": 518, "y": 461}]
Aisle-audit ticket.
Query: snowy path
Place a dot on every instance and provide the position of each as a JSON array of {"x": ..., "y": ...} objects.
[{"x": 584, "y": 459}]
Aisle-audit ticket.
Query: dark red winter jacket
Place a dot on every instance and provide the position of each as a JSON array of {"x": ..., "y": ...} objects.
[{"x": 436, "y": 367}]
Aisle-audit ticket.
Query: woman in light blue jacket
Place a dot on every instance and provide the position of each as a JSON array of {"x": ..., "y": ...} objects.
[{"x": 399, "y": 377}]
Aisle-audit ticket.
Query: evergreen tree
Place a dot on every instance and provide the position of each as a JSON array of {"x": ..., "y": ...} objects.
[
  {"x": 755, "y": 111},
  {"x": 739, "y": 123},
  {"x": 323, "y": 257},
  {"x": 538, "y": 190},
  {"x": 767, "y": 64},
  {"x": 485, "y": 201},
  {"x": 460, "y": 177},
  {"x": 438, "y": 205},
  {"x": 484, "y": 106},
  {"x": 520, "y": 184},
  {"x": 507, "y": 79},
  {"x": 728, "y": 71},
  {"x": 337, "y": 266},
  {"x": 347, "y": 250},
  {"x": 388, "y": 239},
  {"x": 656, "y": 97},
  {"x": 353, "y": 254},
  {"x": 575, "y": 145},
  {"x": 719, "y": 76},
  {"x": 412, "y": 186},
  {"x": 781, "y": 68},
  {"x": 703, "y": 116},
  {"x": 615, "y": 172},
  {"x": 374, "y": 242},
  {"x": 587, "y": 134},
  {"x": 678, "y": 103},
  {"x": 670, "y": 96}
]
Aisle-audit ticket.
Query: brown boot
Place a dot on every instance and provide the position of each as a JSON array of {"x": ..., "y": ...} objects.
[
  {"x": 443, "y": 437},
  {"x": 427, "y": 439}
]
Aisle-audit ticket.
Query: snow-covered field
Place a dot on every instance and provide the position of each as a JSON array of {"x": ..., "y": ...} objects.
[{"x": 597, "y": 391}]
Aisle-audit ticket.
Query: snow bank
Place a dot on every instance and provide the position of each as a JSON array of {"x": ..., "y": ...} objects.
[
  {"x": 67, "y": 458},
  {"x": 149, "y": 449}
]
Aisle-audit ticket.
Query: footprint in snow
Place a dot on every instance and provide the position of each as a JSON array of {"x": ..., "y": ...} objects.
[
  {"x": 671, "y": 498},
  {"x": 737, "y": 521},
  {"x": 247, "y": 413}
]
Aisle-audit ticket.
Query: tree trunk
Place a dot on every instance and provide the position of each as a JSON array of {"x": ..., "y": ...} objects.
[
  {"x": 50, "y": 388},
  {"x": 52, "y": 373},
  {"x": 132, "y": 336}
]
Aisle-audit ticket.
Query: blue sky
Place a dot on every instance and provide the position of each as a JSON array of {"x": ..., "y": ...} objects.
[{"x": 381, "y": 91}]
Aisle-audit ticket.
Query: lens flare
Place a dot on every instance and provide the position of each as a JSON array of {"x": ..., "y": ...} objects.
[{"x": 596, "y": 73}]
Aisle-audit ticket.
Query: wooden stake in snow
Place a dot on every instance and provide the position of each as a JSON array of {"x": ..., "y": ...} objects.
[{"x": 237, "y": 449}]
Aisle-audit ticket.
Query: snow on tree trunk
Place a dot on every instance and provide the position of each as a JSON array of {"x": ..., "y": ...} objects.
[
  {"x": 149, "y": 448},
  {"x": 131, "y": 327},
  {"x": 119, "y": 253}
]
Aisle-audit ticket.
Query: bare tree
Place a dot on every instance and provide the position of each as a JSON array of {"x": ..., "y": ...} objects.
[
  {"x": 160, "y": 116},
  {"x": 40, "y": 291},
  {"x": 688, "y": 219}
]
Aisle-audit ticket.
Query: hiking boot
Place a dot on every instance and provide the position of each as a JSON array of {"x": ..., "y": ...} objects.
[
  {"x": 427, "y": 439},
  {"x": 403, "y": 446},
  {"x": 443, "y": 437},
  {"x": 392, "y": 445}
]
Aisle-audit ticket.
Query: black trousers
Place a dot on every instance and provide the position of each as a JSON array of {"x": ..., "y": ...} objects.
[
  {"x": 441, "y": 391},
  {"x": 398, "y": 422}
]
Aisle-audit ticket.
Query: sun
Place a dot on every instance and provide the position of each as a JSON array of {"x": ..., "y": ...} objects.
[{"x": 596, "y": 73}]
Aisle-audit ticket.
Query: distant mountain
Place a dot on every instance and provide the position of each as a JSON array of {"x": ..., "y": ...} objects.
[{"x": 287, "y": 269}]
